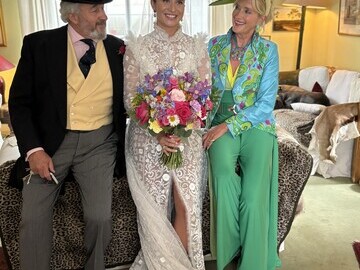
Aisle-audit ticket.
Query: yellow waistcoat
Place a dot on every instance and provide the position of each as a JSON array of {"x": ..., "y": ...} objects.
[{"x": 89, "y": 101}]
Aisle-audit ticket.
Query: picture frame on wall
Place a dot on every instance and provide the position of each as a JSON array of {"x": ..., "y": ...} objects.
[
  {"x": 349, "y": 18},
  {"x": 2, "y": 28},
  {"x": 287, "y": 19}
]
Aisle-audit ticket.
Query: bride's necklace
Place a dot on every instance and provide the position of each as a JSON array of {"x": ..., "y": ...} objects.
[{"x": 236, "y": 52}]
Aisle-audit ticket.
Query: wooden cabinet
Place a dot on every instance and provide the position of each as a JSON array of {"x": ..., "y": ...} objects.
[{"x": 355, "y": 167}]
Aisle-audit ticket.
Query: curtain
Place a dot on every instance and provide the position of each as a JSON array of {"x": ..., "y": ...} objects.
[
  {"x": 197, "y": 17},
  {"x": 123, "y": 16},
  {"x": 38, "y": 15},
  {"x": 221, "y": 19}
]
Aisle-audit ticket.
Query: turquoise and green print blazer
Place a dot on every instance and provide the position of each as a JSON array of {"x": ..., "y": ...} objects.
[{"x": 255, "y": 87}]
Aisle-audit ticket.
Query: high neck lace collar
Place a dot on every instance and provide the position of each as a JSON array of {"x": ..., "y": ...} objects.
[{"x": 163, "y": 35}]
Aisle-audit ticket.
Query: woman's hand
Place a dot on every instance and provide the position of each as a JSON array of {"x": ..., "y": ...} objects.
[
  {"x": 169, "y": 143},
  {"x": 213, "y": 134}
]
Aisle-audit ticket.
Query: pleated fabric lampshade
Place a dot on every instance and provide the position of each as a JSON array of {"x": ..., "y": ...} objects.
[{"x": 4, "y": 65}]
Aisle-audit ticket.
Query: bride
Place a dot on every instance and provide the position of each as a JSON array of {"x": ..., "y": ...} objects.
[{"x": 169, "y": 202}]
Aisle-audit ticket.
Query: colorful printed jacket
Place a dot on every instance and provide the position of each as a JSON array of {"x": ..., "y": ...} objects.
[{"x": 255, "y": 86}]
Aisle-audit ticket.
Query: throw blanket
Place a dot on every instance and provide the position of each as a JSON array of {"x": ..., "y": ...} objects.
[{"x": 335, "y": 124}]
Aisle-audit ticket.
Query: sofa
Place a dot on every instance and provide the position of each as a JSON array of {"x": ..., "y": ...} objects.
[
  {"x": 68, "y": 252},
  {"x": 338, "y": 87}
]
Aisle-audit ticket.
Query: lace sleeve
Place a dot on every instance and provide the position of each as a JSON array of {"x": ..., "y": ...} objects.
[
  {"x": 131, "y": 72},
  {"x": 202, "y": 56}
]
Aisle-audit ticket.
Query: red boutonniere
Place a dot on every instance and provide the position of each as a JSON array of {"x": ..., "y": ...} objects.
[{"x": 122, "y": 49}]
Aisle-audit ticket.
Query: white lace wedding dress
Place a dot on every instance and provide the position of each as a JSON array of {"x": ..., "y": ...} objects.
[{"x": 151, "y": 183}]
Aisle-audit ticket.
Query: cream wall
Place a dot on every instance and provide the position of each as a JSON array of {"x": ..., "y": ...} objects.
[
  {"x": 341, "y": 51},
  {"x": 14, "y": 40},
  {"x": 322, "y": 45},
  {"x": 12, "y": 30}
]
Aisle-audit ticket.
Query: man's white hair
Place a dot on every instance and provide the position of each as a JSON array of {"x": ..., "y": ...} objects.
[{"x": 66, "y": 8}]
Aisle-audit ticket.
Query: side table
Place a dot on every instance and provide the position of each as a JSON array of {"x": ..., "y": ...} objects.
[{"x": 355, "y": 166}]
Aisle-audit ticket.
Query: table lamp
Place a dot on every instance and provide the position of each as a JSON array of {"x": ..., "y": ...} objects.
[{"x": 4, "y": 65}]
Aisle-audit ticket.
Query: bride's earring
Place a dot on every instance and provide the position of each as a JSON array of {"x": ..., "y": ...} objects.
[{"x": 154, "y": 14}]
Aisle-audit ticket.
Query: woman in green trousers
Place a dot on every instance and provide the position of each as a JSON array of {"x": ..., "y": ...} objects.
[{"x": 241, "y": 141}]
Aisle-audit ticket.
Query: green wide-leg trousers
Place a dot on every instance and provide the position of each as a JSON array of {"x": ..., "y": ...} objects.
[{"x": 246, "y": 199}]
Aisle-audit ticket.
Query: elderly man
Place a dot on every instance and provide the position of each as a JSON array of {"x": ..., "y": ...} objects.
[{"x": 67, "y": 113}]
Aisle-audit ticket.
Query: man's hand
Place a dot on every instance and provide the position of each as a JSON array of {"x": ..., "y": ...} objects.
[{"x": 41, "y": 164}]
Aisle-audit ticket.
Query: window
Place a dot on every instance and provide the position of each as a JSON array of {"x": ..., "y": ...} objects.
[{"x": 123, "y": 17}]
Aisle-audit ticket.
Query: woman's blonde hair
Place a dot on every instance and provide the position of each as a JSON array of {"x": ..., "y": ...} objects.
[{"x": 264, "y": 8}]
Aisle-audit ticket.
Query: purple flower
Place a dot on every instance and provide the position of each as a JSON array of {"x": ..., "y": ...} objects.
[{"x": 188, "y": 77}]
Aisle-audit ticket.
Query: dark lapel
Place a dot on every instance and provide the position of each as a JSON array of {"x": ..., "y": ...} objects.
[
  {"x": 112, "y": 46},
  {"x": 57, "y": 59},
  {"x": 113, "y": 59}
]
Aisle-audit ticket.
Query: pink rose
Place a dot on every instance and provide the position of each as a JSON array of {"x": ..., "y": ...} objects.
[
  {"x": 142, "y": 113},
  {"x": 177, "y": 95},
  {"x": 174, "y": 82},
  {"x": 209, "y": 105},
  {"x": 183, "y": 111},
  {"x": 203, "y": 112},
  {"x": 170, "y": 111},
  {"x": 165, "y": 121}
]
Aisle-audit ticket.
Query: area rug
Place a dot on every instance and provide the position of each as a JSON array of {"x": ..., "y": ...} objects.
[
  {"x": 3, "y": 265},
  {"x": 356, "y": 247}
]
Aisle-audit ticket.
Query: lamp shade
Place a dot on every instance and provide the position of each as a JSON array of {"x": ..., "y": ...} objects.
[
  {"x": 307, "y": 3},
  {"x": 5, "y": 64},
  {"x": 221, "y": 2}
]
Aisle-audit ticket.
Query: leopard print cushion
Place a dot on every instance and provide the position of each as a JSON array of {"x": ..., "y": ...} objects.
[
  {"x": 68, "y": 251},
  {"x": 291, "y": 120}
]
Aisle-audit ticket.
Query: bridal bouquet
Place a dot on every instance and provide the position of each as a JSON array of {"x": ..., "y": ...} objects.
[{"x": 171, "y": 104}]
